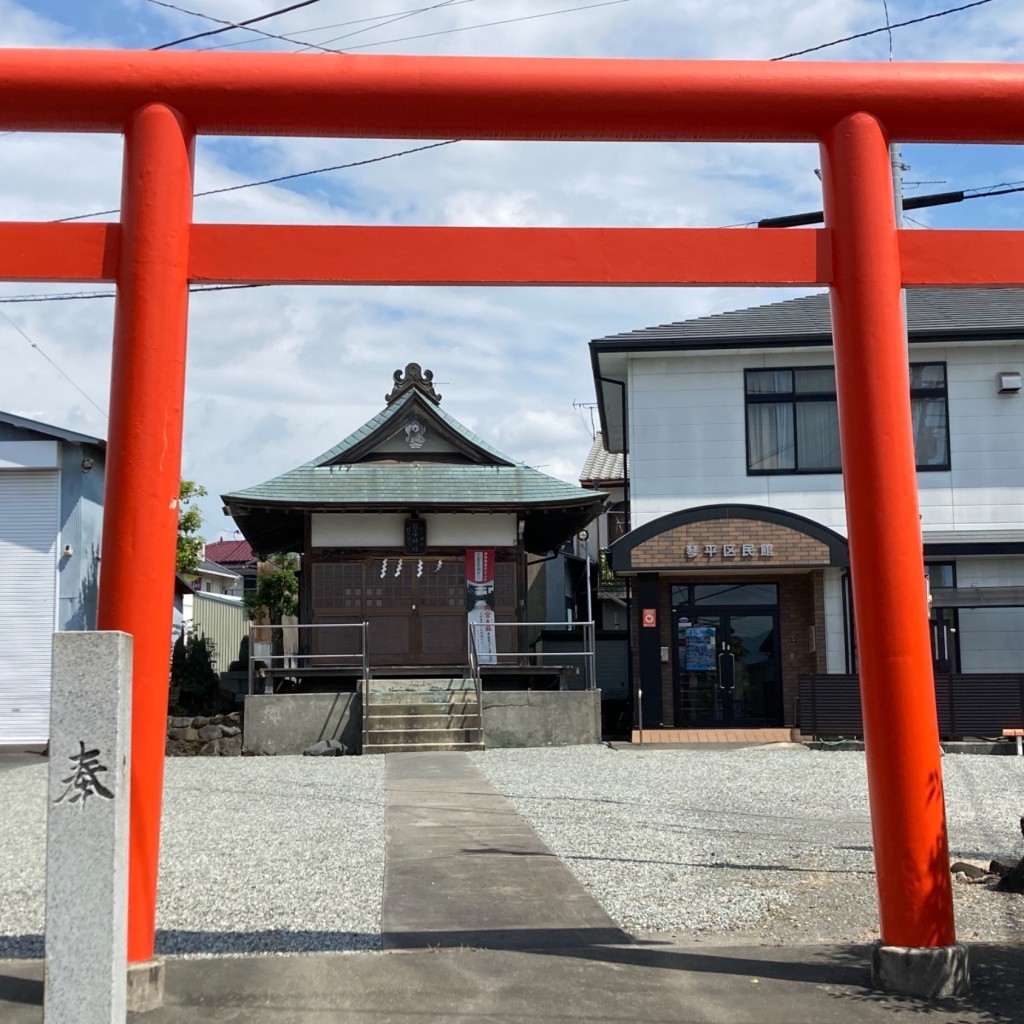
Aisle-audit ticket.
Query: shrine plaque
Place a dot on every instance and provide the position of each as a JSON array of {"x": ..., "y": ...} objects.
[{"x": 415, "y": 536}]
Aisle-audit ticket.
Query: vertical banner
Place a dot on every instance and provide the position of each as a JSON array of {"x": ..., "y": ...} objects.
[{"x": 480, "y": 603}]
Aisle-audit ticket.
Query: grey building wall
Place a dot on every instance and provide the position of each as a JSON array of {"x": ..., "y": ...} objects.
[
  {"x": 81, "y": 524},
  {"x": 81, "y": 512}
]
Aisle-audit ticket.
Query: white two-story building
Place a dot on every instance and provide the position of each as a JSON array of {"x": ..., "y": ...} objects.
[{"x": 737, "y": 551}]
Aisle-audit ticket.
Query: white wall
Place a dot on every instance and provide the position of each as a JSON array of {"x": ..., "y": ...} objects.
[
  {"x": 331, "y": 530},
  {"x": 688, "y": 448},
  {"x": 835, "y": 627}
]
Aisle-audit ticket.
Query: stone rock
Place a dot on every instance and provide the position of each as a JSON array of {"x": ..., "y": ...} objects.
[
  {"x": 198, "y": 723},
  {"x": 211, "y": 749},
  {"x": 230, "y": 730},
  {"x": 1013, "y": 881},
  {"x": 325, "y": 748},
  {"x": 971, "y": 872},
  {"x": 231, "y": 747},
  {"x": 216, "y": 720},
  {"x": 180, "y": 723},
  {"x": 1001, "y": 867},
  {"x": 234, "y": 717},
  {"x": 176, "y": 748},
  {"x": 210, "y": 732},
  {"x": 183, "y": 734}
]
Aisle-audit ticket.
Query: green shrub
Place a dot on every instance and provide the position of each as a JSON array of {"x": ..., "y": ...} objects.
[{"x": 195, "y": 684}]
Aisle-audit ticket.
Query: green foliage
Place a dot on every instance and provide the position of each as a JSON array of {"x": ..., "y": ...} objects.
[
  {"x": 276, "y": 595},
  {"x": 195, "y": 684},
  {"x": 277, "y": 589},
  {"x": 606, "y": 578},
  {"x": 190, "y": 543}
]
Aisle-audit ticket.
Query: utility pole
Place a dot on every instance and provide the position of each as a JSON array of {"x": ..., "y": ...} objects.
[{"x": 898, "y": 167}]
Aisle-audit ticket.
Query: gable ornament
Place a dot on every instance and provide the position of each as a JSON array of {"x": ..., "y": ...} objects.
[
  {"x": 415, "y": 432},
  {"x": 414, "y": 378}
]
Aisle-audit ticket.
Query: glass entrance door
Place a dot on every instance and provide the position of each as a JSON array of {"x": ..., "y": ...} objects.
[{"x": 727, "y": 668}]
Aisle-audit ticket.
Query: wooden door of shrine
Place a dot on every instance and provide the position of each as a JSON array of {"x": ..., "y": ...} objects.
[{"x": 416, "y": 608}]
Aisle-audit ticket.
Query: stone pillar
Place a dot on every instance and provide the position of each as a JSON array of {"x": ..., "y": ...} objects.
[{"x": 87, "y": 829}]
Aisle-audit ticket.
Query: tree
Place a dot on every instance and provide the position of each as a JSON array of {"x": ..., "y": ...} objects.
[
  {"x": 195, "y": 684},
  {"x": 190, "y": 544},
  {"x": 276, "y": 594}
]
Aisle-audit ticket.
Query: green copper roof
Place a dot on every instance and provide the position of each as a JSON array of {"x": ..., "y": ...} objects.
[
  {"x": 372, "y": 426},
  {"x": 477, "y": 475},
  {"x": 413, "y": 484}
]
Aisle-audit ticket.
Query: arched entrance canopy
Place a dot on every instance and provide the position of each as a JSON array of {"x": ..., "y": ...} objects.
[
  {"x": 631, "y": 553},
  {"x": 161, "y": 100}
]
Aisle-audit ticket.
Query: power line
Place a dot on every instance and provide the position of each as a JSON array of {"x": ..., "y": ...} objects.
[
  {"x": 489, "y": 24},
  {"x": 32, "y": 344},
  {"x": 884, "y": 28},
  {"x": 228, "y": 25},
  {"x": 75, "y": 296},
  {"x": 370, "y": 28},
  {"x": 337, "y": 24},
  {"x": 914, "y": 203},
  {"x": 283, "y": 177}
]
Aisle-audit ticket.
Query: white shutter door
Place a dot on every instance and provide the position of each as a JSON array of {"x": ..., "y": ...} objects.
[{"x": 29, "y": 523}]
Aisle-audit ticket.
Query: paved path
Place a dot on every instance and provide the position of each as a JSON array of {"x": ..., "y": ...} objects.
[
  {"x": 463, "y": 869},
  {"x": 484, "y": 925}
]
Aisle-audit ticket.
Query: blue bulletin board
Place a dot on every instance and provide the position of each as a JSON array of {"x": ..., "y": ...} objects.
[{"x": 701, "y": 648}]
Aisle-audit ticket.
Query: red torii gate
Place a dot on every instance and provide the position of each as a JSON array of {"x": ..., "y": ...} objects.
[{"x": 161, "y": 100}]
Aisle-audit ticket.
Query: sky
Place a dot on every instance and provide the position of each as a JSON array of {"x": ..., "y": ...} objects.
[{"x": 278, "y": 375}]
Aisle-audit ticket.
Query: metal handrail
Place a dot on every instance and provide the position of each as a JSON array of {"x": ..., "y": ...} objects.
[
  {"x": 365, "y": 687},
  {"x": 474, "y": 670},
  {"x": 363, "y": 656},
  {"x": 587, "y": 641}
]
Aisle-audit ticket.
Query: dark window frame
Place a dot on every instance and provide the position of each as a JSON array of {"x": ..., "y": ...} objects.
[{"x": 794, "y": 398}]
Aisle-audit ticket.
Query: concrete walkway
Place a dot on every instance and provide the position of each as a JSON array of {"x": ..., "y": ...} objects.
[{"x": 484, "y": 925}]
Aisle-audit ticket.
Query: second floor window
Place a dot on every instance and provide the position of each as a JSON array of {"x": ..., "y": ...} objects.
[{"x": 793, "y": 420}]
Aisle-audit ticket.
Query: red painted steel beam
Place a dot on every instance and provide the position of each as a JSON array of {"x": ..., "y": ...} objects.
[
  {"x": 49, "y": 251},
  {"x": 962, "y": 257},
  {"x": 508, "y": 97},
  {"x": 897, "y": 693},
  {"x": 143, "y": 471},
  {"x": 511, "y": 256},
  {"x": 287, "y": 254}
]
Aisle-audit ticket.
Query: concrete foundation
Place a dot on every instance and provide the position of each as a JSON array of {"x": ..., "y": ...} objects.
[
  {"x": 146, "y": 985},
  {"x": 541, "y": 718},
  {"x": 287, "y": 723},
  {"x": 928, "y": 972}
]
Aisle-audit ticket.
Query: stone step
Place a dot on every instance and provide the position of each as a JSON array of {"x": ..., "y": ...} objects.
[
  {"x": 426, "y": 707},
  {"x": 455, "y": 707},
  {"x": 421, "y": 697},
  {"x": 381, "y": 721},
  {"x": 422, "y": 748},
  {"x": 379, "y": 737},
  {"x": 428, "y": 683}
]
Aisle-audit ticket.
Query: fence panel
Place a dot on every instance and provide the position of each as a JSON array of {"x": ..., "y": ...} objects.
[
  {"x": 222, "y": 620},
  {"x": 976, "y": 704}
]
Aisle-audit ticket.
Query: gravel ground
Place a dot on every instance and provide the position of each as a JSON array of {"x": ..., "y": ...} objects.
[
  {"x": 258, "y": 855},
  {"x": 767, "y": 844},
  {"x": 759, "y": 845}
]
